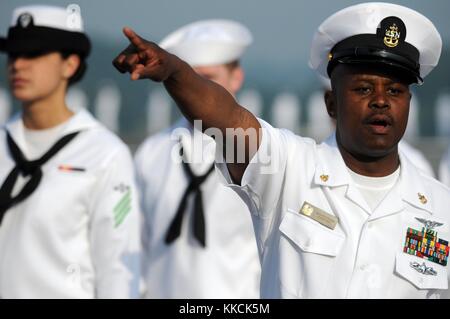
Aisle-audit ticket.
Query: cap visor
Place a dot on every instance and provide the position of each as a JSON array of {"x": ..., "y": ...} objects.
[{"x": 401, "y": 71}]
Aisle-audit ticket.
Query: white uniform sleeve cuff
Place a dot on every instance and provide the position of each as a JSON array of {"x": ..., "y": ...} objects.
[{"x": 266, "y": 165}]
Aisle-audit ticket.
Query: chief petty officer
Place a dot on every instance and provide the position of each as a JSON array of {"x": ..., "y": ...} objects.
[{"x": 351, "y": 217}]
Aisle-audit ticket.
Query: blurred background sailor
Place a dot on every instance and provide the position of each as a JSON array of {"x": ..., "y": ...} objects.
[
  {"x": 68, "y": 201},
  {"x": 198, "y": 236}
]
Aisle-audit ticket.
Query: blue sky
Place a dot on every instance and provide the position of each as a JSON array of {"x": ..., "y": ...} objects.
[{"x": 282, "y": 29}]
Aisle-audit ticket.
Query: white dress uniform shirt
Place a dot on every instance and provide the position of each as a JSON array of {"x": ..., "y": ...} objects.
[
  {"x": 416, "y": 157},
  {"x": 76, "y": 235},
  {"x": 444, "y": 169},
  {"x": 229, "y": 266},
  {"x": 362, "y": 257}
]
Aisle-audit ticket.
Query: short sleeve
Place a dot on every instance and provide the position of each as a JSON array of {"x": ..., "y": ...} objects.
[{"x": 262, "y": 181}]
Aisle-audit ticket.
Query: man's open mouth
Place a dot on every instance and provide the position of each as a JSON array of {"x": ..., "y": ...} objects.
[{"x": 379, "y": 123}]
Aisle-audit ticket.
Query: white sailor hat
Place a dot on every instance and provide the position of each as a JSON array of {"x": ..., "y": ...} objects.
[
  {"x": 42, "y": 28},
  {"x": 377, "y": 33},
  {"x": 208, "y": 42}
]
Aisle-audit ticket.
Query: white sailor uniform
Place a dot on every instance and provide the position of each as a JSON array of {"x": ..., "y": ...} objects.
[
  {"x": 228, "y": 266},
  {"x": 76, "y": 235}
]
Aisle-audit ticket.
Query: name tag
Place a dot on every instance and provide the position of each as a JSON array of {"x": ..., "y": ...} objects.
[{"x": 320, "y": 216}]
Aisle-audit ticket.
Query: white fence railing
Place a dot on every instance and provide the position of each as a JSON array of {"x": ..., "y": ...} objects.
[{"x": 285, "y": 111}]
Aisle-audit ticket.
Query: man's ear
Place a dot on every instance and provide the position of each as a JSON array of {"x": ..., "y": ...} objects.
[
  {"x": 237, "y": 79},
  {"x": 330, "y": 102},
  {"x": 71, "y": 65}
]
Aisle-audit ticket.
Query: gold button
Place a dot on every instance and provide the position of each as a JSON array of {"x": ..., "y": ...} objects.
[
  {"x": 422, "y": 198},
  {"x": 324, "y": 178}
]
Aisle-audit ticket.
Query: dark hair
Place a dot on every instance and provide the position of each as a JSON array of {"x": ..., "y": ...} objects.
[
  {"x": 232, "y": 65},
  {"x": 78, "y": 75}
]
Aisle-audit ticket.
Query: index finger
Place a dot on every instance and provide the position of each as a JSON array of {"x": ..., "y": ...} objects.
[{"x": 136, "y": 40}]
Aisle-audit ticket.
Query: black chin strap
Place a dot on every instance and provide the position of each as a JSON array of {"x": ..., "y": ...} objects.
[
  {"x": 199, "y": 217},
  {"x": 26, "y": 168}
]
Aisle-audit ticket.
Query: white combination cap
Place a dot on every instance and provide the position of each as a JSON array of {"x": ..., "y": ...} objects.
[
  {"x": 41, "y": 28},
  {"x": 381, "y": 33},
  {"x": 208, "y": 42}
]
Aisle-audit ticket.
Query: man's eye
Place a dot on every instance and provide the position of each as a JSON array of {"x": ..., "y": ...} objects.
[
  {"x": 394, "y": 91},
  {"x": 362, "y": 90}
]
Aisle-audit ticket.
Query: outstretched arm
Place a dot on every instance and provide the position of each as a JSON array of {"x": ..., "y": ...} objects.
[{"x": 197, "y": 97}]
